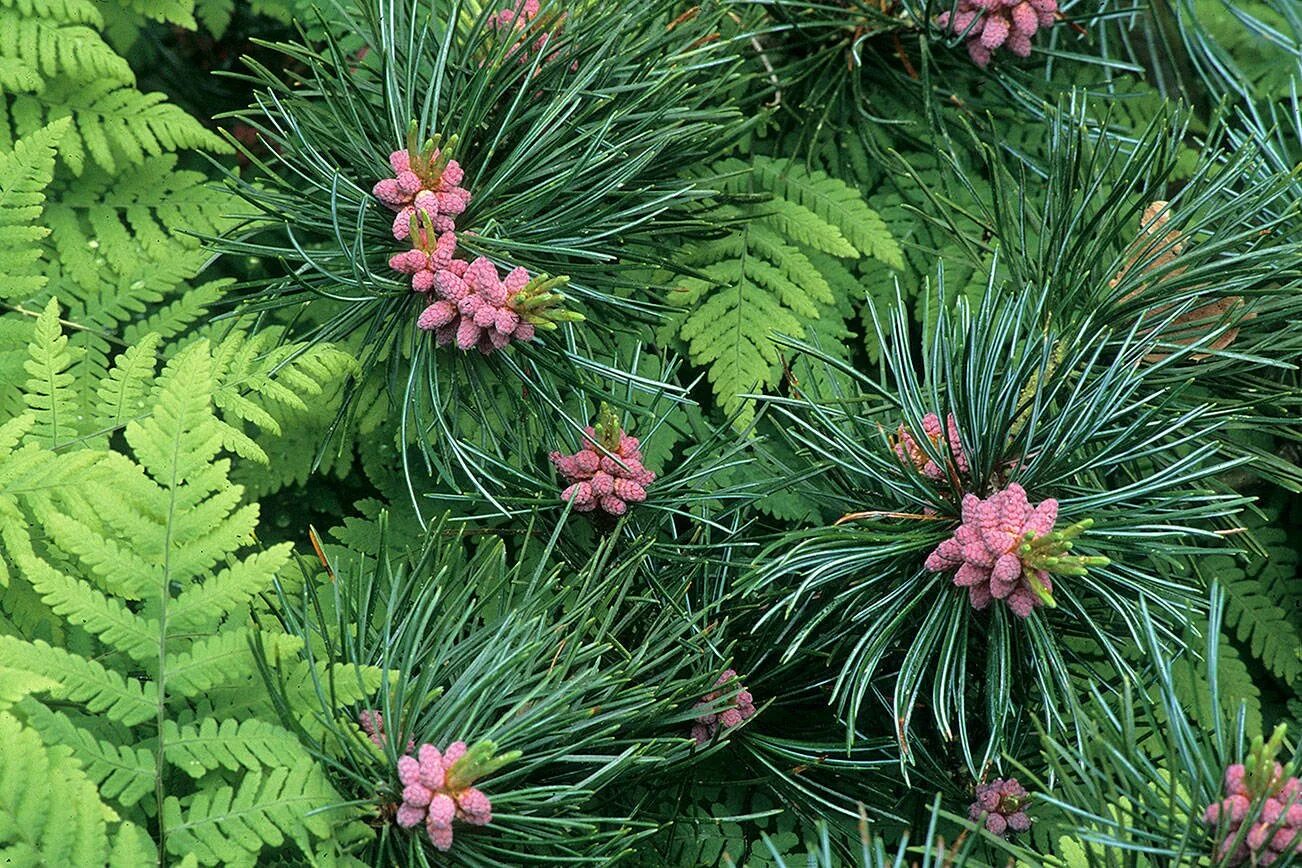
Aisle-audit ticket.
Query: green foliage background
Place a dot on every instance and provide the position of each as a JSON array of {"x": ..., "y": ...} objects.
[{"x": 243, "y": 499}]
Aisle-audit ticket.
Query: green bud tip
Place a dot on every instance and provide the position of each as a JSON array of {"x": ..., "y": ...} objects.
[
  {"x": 608, "y": 428},
  {"x": 1041, "y": 591}
]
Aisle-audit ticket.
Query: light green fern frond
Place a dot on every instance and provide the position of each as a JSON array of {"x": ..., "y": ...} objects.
[
  {"x": 109, "y": 564},
  {"x": 201, "y": 607},
  {"x": 18, "y": 683},
  {"x": 18, "y": 76},
  {"x": 151, "y": 203},
  {"x": 177, "y": 443},
  {"x": 234, "y": 745},
  {"x": 73, "y": 396},
  {"x": 25, "y": 173},
  {"x": 763, "y": 277},
  {"x": 115, "y": 239},
  {"x": 123, "y": 773},
  {"x": 744, "y": 296},
  {"x": 60, "y": 37},
  {"x": 260, "y": 377},
  {"x": 178, "y": 12},
  {"x": 178, "y": 317},
  {"x": 26, "y": 471},
  {"x": 263, "y": 810},
  {"x": 50, "y": 812},
  {"x": 215, "y": 15},
  {"x": 49, "y": 394},
  {"x": 110, "y": 620},
  {"x": 132, "y": 847},
  {"x": 125, "y": 387},
  {"x": 113, "y": 126},
  {"x": 836, "y": 204},
  {"x": 100, "y": 690},
  {"x": 217, "y": 660},
  {"x": 146, "y": 566}
]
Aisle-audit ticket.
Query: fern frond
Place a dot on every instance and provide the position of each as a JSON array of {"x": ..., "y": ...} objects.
[
  {"x": 60, "y": 38},
  {"x": 125, "y": 387},
  {"x": 50, "y": 813},
  {"x": 140, "y": 563},
  {"x": 103, "y": 691},
  {"x": 174, "y": 319},
  {"x": 749, "y": 298},
  {"x": 200, "y": 607},
  {"x": 25, "y": 173},
  {"x": 764, "y": 278},
  {"x": 178, "y": 12},
  {"x": 264, "y": 810},
  {"x": 251, "y": 745},
  {"x": 28, "y": 471},
  {"x": 114, "y": 126},
  {"x": 148, "y": 207},
  {"x": 108, "y": 619},
  {"x": 177, "y": 443},
  {"x": 250, "y": 380},
  {"x": 836, "y": 203},
  {"x": 18, "y": 683},
  {"x": 259, "y": 376},
  {"x": 1255, "y": 607},
  {"x": 279, "y": 373},
  {"x": 216, "y": 523},
  {"x": 132, "y": 847},
  {"x": 790, "y": 217},
  {"x": 215, "y": 15},
  {"x": 216, "y": 660},
  {"x": 114, "y": 567},
  {"x": 49, "y": 394},
  {"x": 123, "y": 773},
  {"x": 18, "y": 76},
  {"x": 753, "y": 284},
  {"x": 350, "y": 683},
  {"x": 1237, "y": 687},
  {"x": 101, "y": 297}
]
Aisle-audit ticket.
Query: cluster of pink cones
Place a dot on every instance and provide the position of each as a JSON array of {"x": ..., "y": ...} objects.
[
  {"x": 1003, "y": 804},
  {"x": 468, "y": 303},
  {"x": 707, "y": 724},
  {"x": 993, "y": 24},
  {"x": 438, "y": 788},
  {"x": 1271, "y": 806},
  {"x": 1005, "y": 548},
  {"x": 607, "y": 473}
]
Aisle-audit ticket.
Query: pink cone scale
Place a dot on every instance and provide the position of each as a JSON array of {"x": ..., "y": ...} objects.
[
  {"x": 945, "y": 440},
  {"x": 437, "y": 788},
  {"x": 607, "y": 473},
  {"x": 1003, "y": 804},
  {"x": 1267, "y": 797},
  {"x": 988, "y": 25},
  {"x": 1006, "y": 549},
  {"x": 708, "y": 723}
]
